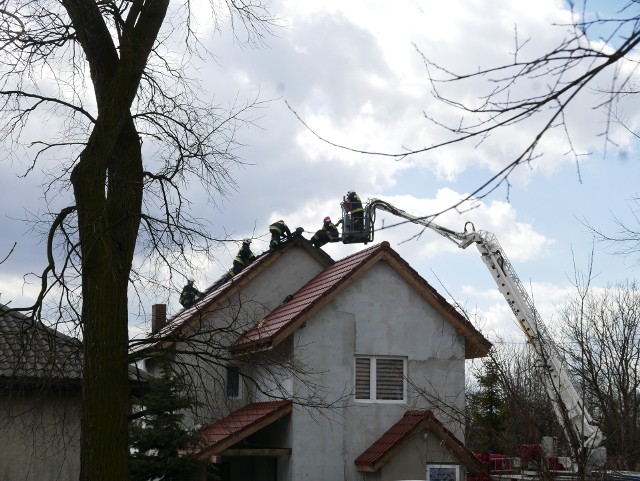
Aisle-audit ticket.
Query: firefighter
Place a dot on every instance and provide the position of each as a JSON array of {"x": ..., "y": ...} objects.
[
  {"x": 328, "y": 233},
  {"x": 189, "y": 295},
  {"x": 279, "y": 231},
  {"x": 353, "y": 205},
  {"x": 244, "y": 257}
]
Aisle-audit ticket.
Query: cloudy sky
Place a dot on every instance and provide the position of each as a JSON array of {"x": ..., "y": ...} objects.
[{"x": 352, "y": 71}]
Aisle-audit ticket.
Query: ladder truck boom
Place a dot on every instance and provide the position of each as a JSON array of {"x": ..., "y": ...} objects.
[{"x": 578, "y": 425}]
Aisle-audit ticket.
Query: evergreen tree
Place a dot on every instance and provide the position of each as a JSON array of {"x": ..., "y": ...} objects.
[
  {"x": 488, "y": 410},
  {"x": 160, "y": 444}
]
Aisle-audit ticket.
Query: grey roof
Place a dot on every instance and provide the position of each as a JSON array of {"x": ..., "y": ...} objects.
[{"x": 33, "y": 352}]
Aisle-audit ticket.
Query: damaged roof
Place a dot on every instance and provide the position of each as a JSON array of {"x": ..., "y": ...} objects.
[
  {"x": 221, "y": 290},
  {"x": 384, "y": 448},
  {"x": 320, "y": 290}
]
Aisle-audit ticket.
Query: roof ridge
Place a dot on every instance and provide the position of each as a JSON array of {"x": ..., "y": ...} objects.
[
  {"x": 241, "y": 423},
  {"x": 381, "y": 245}
]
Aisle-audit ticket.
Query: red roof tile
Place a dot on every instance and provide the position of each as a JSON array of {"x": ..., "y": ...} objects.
[
  {"x": 304, "y": 299},
  {"x": 383, "y": 449},
  {"x": 240, "y": 424}
]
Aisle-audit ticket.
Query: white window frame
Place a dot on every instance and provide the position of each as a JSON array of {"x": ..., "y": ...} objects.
[{"x": 372, "y": 380}]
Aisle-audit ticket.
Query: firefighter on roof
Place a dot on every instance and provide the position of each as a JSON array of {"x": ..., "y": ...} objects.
[
  {"x": 189, "y": 295},
  {"x": 279, "y": 232},
  {"x": 244, "y": 257}
]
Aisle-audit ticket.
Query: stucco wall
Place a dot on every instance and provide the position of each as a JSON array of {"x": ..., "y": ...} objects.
[
  {"x": 242, "y": 310},
  {"x": 378, "y": 315},
  {"x": 40, "y": 436}
]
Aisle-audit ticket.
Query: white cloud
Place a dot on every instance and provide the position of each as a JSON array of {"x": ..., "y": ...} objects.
[
  {"x": 351, "y": 71},
  {"x": 15, "y": 290},
  {"x": 497, "y": 321}
]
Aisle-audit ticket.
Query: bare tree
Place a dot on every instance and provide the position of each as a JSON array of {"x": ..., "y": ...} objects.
[
  {"x": 625, "y": 241},
  {"x": 105, "y": 75},
  {"x": 602, "y": 331}
]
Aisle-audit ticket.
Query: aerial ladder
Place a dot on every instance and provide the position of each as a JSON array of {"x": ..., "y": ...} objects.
[{"x": 584, "y": 437}]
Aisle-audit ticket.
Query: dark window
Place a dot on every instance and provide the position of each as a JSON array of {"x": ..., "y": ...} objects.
[{"x": 233, "y": 381}]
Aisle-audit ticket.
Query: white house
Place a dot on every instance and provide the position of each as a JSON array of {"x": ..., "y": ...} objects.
[{"x": 314, "y": 369}]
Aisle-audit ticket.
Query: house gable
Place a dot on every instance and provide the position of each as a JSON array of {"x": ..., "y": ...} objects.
[
  {"x": 321, "y": 290},
  {"x": 390, "y": 317},
  {"x": 387, "y": 446}
]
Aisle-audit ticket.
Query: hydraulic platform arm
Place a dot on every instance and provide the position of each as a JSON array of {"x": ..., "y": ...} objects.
[{"x": 567, "y": 403}]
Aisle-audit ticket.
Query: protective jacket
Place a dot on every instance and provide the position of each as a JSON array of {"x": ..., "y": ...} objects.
[
  {"x": 331, "y": 229},
  {"x": 188, "y": 295},
  {"x": 353, "y": 204},
  {"x": 243, "y": 259},
  {"x": 279, "y": 228},
  {"x": 279, "y": 231}
]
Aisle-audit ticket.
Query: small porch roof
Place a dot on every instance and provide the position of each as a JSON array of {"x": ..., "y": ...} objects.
[
  {"x": 386, "y": 446},
  {"x": 240, "y": 424}
]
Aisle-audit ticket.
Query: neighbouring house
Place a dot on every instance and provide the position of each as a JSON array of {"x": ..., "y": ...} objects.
[
  {"x": 308, "y": 368},
  {"x": 40, "y": 401}
]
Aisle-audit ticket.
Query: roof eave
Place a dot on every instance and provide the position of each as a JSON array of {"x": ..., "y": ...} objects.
[{"x": 255, "y": 427}]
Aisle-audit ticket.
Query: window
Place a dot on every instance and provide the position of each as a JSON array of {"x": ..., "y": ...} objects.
[
  {"x": 233, "y": 381},
  {"x": 380, "y": 379}
]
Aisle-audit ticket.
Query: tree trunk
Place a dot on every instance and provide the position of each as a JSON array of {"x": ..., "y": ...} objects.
[
  {"x": 109, "y": 203},
  {"x": 107, "y": 183}
]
